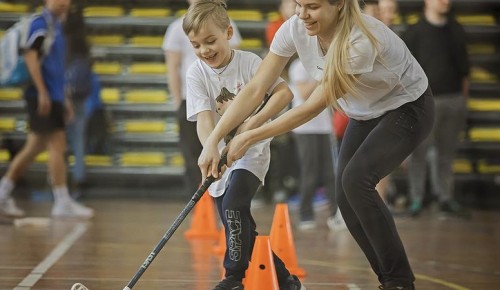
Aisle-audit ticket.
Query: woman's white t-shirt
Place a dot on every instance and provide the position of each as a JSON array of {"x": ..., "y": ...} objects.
[
  {"x": 390, "y": 77},
  {"x": 321, "y": 124},
  {"x": 176, "y": 40},
  {"x": 213, "y": 90}
]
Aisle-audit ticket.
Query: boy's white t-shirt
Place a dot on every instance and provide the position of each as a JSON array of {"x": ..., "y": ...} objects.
[
  {"x": 320, "y": 124},
  {"x": 389, "y": 78},
  {"x": 205, "y": 86},
  {"x": 176, "y": 40}
]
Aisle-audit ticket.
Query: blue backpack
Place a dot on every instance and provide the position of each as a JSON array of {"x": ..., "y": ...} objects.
[{"x": 13, "y": 70}]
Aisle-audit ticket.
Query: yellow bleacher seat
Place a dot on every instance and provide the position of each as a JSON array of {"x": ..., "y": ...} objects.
[
  {"x": 11, "y": 94},
  {"x": 7, "y": 124},
  {"x": 397, "y": 19},
  {"x": 480, "y": 75},
  {"x": 485, "y": 168},
  {"x": 412, "y": 18},
  {"x": 273, "y": 16},
  {"x": 110, "y": 40},
  {"x": 483, "y": 48},
  {"x": 146, "y": 96},
  {"x": 251, "y": 43},
  {"x": 150, "y": 12},
  {"x": 176, "y": 160},
  {"x": 13, "y": 8},
  {"x": 147, "y": 68},
  {"x": 484, "y": 134},
  {"x": 103, "y": 11},
  {"x": 180, "y": 12},
  {"x": 107, "y": 68},
  {"x": 110, "y": 95},
  {"x": 141, "y": 126},
  {"x": 245, "y": 15},
  {"x": 462, "y": 166},
  {"x": 143, "y": 159},
  {"x": 42, "y": 157},
  {"x": 146, "y": 41},
  {"x": 483, "y": 105},
  {"x": 173, "y": 127},
  {"x": 4, "y": 156},
  {"x": 482, "y": 19},
  {"x": 2, "y": 32},
  {"x": 94, "y": 160}
]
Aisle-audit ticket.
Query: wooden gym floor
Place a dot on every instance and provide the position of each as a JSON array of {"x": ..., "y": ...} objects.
[{"x": 107, "y": 251}]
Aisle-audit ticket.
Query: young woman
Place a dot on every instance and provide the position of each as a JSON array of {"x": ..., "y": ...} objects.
[
  {"x": 212, "y": 82},
  {"x": 366, "y": 71}
]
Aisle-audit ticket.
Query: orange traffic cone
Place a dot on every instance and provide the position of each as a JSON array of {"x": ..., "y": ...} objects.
[
  {"x": 220, "y": 248},
  {"x": 282, "y": 240},
  {"x": 261, "y": 273},
  {"x": 203, "y": 224}
]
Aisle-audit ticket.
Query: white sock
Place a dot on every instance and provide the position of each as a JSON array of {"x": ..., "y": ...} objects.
[
  {"x": 6, "y": 186},
  {"x": 61, "y": 193}
]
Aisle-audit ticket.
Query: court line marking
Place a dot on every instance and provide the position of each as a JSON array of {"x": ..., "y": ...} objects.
[
  {"x": 61, "y": 248},
  {"x": 418, "y": 276}
]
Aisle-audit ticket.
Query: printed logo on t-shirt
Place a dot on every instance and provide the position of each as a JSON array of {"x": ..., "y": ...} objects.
[{"x": 224, "y": 100}]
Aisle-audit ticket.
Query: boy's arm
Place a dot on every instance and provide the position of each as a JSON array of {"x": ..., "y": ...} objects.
[
  {"x": 34, "y": 67},
  {"x": 280, "y": 98},
  {"x": 204, "y": 125}
]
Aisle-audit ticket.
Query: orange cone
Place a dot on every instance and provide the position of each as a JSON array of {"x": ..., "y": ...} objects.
[
  {"x": 220, "y": 248},
  {"x": 261, "y": 273},
  {"x": 282, "y": 240},
  {"x": 203, "y": 224}
]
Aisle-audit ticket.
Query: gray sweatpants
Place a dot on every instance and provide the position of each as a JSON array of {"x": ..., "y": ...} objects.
[{"x": 450, "y": 117}]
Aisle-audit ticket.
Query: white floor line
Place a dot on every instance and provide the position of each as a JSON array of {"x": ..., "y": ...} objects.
[{"x": 37, "y": 273}]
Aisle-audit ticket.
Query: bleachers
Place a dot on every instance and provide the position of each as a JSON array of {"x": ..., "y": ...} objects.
[{"x": 126, "y": 38}]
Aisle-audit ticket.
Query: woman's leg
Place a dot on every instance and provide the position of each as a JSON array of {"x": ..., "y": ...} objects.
[
  {"x": 378, "y": 147},
  {"x": 307, "y": 149}
]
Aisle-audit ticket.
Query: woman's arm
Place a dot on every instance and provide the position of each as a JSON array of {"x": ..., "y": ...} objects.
[
  {"x": 280, "y": 98},
  {"x": 247, "y": 100},
  {"x": 174, "y": 61},
  {"x": 295, "y": 117}
]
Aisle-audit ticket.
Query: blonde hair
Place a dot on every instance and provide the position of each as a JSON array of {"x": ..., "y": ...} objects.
[
  {"x": 336, "y": 81},
  {"x": 203, "y": 11}
]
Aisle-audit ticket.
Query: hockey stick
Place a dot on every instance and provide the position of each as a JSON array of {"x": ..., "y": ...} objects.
[
  {"x": 194, "y": 199},
  {"x": 180, "y": 218}
]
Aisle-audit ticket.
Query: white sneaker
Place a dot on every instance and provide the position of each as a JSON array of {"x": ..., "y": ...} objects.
[
  {"x": 71, "y": 208},
  {"x": 307, "y": 225},
  {"x": 336, "y": 222},
  {"x": 8, "y": 207}
]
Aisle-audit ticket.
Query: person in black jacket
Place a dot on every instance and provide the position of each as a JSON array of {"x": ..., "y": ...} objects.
[{"x": 438, "y": 43}]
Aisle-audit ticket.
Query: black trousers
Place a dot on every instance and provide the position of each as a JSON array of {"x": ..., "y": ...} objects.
[
  {"x": 234, "y": 210},
  {"x": 371, "y": 150},
  {"x": 191, "y": 149}
]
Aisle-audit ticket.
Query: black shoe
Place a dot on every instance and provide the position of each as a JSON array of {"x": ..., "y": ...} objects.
[
  {"x": 411, "y": 287},
  {"x": 292, "y": 283},
  {"x": 454, "y": 209},
  {"x": 229, "y": 283}
]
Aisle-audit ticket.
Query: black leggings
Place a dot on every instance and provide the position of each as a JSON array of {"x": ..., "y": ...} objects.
[
  {"x": 371, "y": 150},
  {"x": 234, "y": 210}
]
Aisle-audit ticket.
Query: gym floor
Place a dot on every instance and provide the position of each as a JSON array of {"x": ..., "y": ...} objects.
[{"x": 106, "y": 252}]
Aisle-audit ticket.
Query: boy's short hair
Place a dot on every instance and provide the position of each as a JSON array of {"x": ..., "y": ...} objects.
[{"x": 202, "y": 11}]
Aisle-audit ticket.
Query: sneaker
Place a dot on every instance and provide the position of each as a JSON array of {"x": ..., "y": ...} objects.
[
  {"x": 307, "y": 225},
  {"x": 8, "y": 207},
  {"x": 453, "y": 208},
  {"x": 336, "y": 222},
  {"x": 229, "y": 283},
  {"x": 71, "y": 208},
  {"x": 292, "y": 283},
  {"x": 411, "y": 287},
  {"x": 415, "y": 208}
]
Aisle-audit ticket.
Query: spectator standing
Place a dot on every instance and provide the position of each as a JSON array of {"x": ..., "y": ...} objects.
[{"x": 438, "y": 42}]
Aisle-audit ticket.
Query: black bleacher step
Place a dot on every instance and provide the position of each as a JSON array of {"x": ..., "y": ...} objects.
[
  {"x": 137, "y": 80},
  {"x": 143, "y": 140},
  {"x": 476, "y": 150},
  {"x": 485, "y": 89},
  {"x": 123, "y": 110}
]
